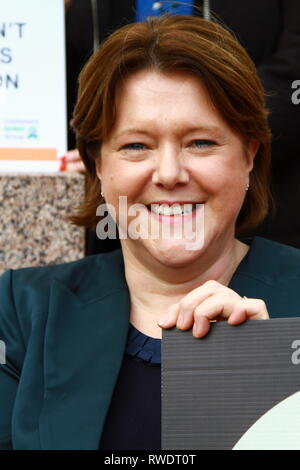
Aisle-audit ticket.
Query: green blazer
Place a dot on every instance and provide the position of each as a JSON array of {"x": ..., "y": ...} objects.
[{"x": 65, "y": 330}]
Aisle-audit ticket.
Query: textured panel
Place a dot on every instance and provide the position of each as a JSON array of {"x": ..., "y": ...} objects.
[
  {"x": 33, "y": 231},
  {"x": 215, "y": 388}
]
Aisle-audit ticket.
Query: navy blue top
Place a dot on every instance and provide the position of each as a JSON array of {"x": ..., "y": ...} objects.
[
  {"x": 129, "y": 424},
  {"x": 143, "y": 346}
]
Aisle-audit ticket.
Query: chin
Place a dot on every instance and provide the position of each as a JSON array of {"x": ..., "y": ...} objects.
[{"x": 173, "y": 254}]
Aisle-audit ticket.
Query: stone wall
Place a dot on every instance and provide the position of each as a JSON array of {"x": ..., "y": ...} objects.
[{"x": 33, "y": 231}]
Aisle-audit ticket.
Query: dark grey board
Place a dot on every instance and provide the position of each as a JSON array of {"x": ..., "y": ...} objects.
[{"x": 214, "y": 389}]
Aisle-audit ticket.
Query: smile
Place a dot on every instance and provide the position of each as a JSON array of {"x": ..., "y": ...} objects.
[{"x": 172, "y": 210}]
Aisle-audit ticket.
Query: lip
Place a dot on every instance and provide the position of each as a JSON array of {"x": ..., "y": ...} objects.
[
  {"x": 172, "y": 203},
  {"x": 174, "y": 218}
]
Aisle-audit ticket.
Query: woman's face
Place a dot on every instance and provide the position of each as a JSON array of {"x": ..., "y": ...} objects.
[{"x": 169, "y": 144}]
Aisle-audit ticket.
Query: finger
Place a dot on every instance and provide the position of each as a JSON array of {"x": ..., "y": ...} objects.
[
  {"x": 217, "y": 306},
  {"x": 188, "y": 303},
  {"x": 75, "y": 167},
  {"x": 169, "y": 320},
  {"x": 201, "y": 328},
  {"x": 252, "y": 309},
  {"x": 80, "y": 168},
  {"x": 238, "y": 316},
  {"x": 73, "y": 155}
]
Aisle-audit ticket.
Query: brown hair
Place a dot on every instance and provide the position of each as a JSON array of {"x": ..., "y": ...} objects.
[{"x": 170, "y": 43}]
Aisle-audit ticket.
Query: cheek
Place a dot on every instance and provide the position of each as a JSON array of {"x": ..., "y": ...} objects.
[
  {"x": 227, "y": 203},
  {"x": 225, "y": 186},
  {"x": 220, "y": 178},
  {"x": 227, "y": 170},
  {"x": 125, "y": 179}
]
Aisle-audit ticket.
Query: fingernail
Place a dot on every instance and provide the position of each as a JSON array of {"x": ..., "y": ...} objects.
[
  {"x": 163, "y": 320},
  {"x": 180, "y": 322},
  {"x": 196, "y": 330},
  {"x": 63, "y": 164},
  {"x": 202, "y": 328}
]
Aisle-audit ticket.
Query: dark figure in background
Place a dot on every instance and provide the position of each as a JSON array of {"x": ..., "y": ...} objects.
[{"x": 270, "y": 32}]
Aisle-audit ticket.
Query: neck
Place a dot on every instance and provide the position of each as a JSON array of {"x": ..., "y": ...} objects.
[{"x": 154, "y": 287}]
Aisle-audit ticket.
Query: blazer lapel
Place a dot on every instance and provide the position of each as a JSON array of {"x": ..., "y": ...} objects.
[{"x": 83, "y": 351}]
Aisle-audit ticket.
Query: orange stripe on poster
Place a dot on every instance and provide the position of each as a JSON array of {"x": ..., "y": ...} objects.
[{"x": 28, "y": 154}]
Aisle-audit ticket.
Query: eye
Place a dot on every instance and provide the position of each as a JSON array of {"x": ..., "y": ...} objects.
[
  {"x": 203, "y": 143},
  {"x": 134, "y": 146}
]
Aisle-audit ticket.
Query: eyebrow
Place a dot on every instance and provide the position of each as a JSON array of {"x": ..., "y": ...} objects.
[{"x": 213, "y": 130}]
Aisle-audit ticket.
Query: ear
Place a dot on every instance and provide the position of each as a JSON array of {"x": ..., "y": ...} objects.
[{"x": 251, "y": 150}]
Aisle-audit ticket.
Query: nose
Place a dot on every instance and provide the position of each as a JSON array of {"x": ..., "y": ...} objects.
[{"x": 170, "y": 168}]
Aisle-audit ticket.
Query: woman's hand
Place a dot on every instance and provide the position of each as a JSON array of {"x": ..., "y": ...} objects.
[
  {"x": 72, "y": 162},
  {"x": 212, "y": 302}
]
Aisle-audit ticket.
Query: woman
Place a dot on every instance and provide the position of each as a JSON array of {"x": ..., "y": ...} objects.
[
  {"x": 170, "y": 113},
  {"x": 270, "y": 32}
]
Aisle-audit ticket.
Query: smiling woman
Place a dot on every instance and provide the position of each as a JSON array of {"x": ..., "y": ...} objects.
[
  {"x": 157, "y": 157},
  {"x": 219, "y": 64},
  {"x": 170, "y": 119},
  {"x": 171, "y": 113}
]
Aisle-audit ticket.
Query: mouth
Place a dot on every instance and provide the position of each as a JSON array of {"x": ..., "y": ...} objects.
[{"x": 173, "y": 210}]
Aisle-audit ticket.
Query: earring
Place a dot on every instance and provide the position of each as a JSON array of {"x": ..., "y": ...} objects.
[
  {"x": 101, "y": 192},
  {"x": 247, "y": 187}
]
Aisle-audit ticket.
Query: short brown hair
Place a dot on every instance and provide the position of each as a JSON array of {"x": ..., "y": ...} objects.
[{"x": 165, "y": 44}]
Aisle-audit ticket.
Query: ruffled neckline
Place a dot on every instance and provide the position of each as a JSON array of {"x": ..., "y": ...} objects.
[{"x": 142, "y": 346}]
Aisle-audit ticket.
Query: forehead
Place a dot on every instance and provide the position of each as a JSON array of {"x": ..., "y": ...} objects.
[
  {"x": 149, "y": 81},
  {"x": 153, "y": 96}
]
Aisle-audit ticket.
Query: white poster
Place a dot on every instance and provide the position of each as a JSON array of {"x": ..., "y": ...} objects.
[{"x": 33, "y": 129}]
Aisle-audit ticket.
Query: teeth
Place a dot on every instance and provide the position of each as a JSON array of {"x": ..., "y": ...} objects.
[
  {"x": 175, "y": 209},
  {"x": 188, "y": 208}
]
